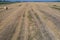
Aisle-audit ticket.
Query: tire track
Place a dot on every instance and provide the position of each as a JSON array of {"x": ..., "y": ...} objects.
[
  {"x": 53, "y": 17},
  {"x": 51, "y": 29},
  {"x": 35, "y": 33},
  {"x": 7, "y": 33},
  {"x": 43, "y": 29},
  {"x": 38, "y": 27},
  {"x": 7, "y": 13},
  {"x": 19, "y": 27},
  {"x": 30, "y": 22},
  {"x": 5, "y": 22},
  {"x": 21, "y": 33},
  {"x": 26, "y": 21}
]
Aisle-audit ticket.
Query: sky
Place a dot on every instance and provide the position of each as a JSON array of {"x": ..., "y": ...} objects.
[{"x": 32, "y": 0}]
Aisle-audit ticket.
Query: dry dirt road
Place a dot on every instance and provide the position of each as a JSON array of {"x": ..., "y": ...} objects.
[{"x": 30, "y": 21}]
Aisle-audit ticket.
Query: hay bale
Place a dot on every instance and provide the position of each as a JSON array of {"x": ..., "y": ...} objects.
[{"x": 5, "y": 7}]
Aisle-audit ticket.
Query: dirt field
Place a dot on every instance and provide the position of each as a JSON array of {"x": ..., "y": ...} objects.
[{"x": 30, "y": 21}]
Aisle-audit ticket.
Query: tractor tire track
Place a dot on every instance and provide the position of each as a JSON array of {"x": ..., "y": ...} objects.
[
  {"x": 29, "y": 21},
  {"x": 42, "y": 16}
]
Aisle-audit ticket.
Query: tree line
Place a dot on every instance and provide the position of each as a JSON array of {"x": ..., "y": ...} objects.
[{"x": 3, "y": 0}]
